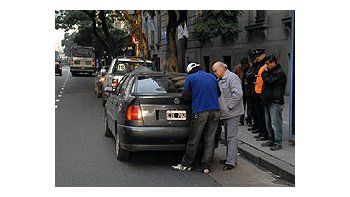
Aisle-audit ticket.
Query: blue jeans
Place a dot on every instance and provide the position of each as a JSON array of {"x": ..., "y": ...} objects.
[
  {"x": 203, "y": 123},
  {"x": 273, "y": 120}
]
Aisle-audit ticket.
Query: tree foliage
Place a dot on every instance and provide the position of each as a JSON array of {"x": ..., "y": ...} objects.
[
  {"x": 215, "y": 23},
  {"x": 94, "y": 28}
]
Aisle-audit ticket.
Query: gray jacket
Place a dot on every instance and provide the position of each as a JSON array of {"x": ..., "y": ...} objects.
[{"x": 231, "y": 99}]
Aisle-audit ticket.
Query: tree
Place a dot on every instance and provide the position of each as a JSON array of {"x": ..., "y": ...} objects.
[
  {"x": 68, "y": 43},
  {"x": 94, "y": 28},
  {"x": 135, "y": 22},
  {"x": 175, "y": 18},
  {"x": 212, "y": 24}
]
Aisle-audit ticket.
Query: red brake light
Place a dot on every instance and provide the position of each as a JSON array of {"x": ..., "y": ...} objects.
[
  {"x": 134, "y": 113},
  {"x": 115, "y": 83}
]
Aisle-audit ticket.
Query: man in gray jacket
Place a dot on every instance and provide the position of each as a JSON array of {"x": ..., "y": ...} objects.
[{"x": 231, "y": 108}]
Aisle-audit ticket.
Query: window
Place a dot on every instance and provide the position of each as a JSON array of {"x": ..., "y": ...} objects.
[
  {"x": 227, "y": 60},
  {"x": 154, "y": 85},
  {"x": 207, "y": 63},
  {"x": 260, "y": 16}
]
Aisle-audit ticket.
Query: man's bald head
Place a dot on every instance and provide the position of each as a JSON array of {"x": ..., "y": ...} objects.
[{"x": 219, "y": 69}]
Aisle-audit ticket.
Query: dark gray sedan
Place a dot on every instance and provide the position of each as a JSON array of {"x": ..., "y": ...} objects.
[{"x": 146, "y": 113}]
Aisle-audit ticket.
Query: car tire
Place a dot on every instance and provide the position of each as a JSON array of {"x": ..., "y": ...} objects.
[
  {"x": 99, "y": 95},
  {"x": 108, "y": 132},
  {"x": 122, "y": 154},
  {"x": 74, "y": 74},
  {"x": 61, "y": 74}
]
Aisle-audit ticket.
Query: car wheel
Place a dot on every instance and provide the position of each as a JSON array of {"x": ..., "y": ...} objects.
[
  {"x": 74, "y": 74},
  {"x": 61, "y": 74},
  {"x": 122, "y": 154},
  {"x": 99, "y": 95},
  {"x": 108, "y": 132}
]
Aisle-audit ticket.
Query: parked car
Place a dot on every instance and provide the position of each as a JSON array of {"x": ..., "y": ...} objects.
[
  {"x": 118, "y": 68},
  {"x": 146, "y": 113},
  {"x": 58, "y": 68},
  {"x": 99, "y": 79}
]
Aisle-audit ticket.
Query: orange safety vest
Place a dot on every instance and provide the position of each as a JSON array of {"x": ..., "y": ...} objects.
[{"x": 259, "y": 81}]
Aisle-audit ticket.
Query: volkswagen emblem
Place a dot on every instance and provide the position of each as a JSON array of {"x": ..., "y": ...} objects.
[{"x": 177, "y": 101}]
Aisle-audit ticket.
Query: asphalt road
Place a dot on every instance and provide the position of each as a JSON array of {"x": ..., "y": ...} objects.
[{"x": 84, "y": 157}]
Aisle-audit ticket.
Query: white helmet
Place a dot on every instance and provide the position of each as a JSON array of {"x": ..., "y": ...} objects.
[{"x": 190, "y": 66}]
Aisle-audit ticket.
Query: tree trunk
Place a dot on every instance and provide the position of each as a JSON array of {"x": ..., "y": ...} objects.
[
  {"x": 110, "y": 40},
  {"x": 173, "y": 22},
  {"x": 92, "y": 15},
  {"x": 136, "y": 25},
  {"x": 172, "y": 51}
]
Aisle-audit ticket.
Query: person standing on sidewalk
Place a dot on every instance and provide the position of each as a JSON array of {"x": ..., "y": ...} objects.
[
  {"x": 231, "y": 108},
  {"x": 202, "y": 89},
  {"x": 258, "y": 108},
  {"x": 240, "y": 71},
  {"x": 273, "y": 91}
]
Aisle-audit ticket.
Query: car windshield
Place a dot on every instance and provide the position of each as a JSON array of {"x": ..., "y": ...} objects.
[
  {"x": 122, "y": 68},
  {"x": 154, "y": 85}
]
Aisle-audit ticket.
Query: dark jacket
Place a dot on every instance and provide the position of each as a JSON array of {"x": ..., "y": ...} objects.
[
  {"x": 275, "y": 81},
  {"x": 251, "y": 75}
]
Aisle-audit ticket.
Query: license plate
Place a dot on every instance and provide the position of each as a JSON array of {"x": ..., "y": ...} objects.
[{"x": 175, "y": 115}]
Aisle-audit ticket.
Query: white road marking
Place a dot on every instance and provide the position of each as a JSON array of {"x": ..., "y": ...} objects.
[
  {"x": 56, "y": 106},
  {"x": 61, "y": 92},
  {"x": 59, "y": 95},
  {"x": 57, "y": 100}
]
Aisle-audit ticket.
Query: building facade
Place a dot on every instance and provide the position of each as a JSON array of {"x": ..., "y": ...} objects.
[{"x": 269, "y": 29}]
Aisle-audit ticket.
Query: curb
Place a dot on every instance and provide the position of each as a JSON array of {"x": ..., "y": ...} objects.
[{"x": 281, "y": 168}]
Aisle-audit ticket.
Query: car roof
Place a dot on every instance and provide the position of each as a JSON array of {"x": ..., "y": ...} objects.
[{"x": 132, "y": 59}]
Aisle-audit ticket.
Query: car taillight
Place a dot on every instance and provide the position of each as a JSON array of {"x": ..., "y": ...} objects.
[
  {"x": 115, "y": 83},
  {"x": 134, "y": 113}
]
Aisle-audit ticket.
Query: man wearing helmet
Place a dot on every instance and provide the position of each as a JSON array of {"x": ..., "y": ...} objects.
[{"x": 201, "y": 88}]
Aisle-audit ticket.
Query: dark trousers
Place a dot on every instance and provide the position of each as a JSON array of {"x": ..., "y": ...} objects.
[
  {"x": 249, "y": 118},
  {"x": 203, "y": 123},
  {"x": 259, "y": 118},
  {"x": 241, "y": 120}
]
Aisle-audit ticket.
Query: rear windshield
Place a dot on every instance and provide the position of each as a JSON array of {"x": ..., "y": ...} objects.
[
  {"x": 125, "y": 67},
  {"x": 154, "y": 85}
]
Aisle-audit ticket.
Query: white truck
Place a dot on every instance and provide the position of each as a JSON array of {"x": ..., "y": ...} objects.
[{"x": 82, "y": 60}]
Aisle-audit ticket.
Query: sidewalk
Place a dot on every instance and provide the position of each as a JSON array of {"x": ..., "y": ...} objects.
[{"x": 280, "y": 162}]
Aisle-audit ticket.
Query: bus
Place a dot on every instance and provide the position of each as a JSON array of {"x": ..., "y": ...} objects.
[{"x": 82, "y": 60}]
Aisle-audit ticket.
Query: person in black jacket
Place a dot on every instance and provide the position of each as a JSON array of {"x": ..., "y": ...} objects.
[
  {"x": 274, "y": 82},
  {"x": 257, "y": 106}
]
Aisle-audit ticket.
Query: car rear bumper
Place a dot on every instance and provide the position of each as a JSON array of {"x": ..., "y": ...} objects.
[
  {"x": 82, "y": 69},
  {"x": 153, "y": 138}
]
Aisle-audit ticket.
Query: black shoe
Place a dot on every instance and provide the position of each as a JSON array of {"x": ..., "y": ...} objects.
[
  {"x": 223, "y": 161},
  {"x": 256, "y": 131},
  {"x": 228, "y": 167},
  {"x": 257, "y": 136},
  {"x": 262, "y": 139},
  {"x": 276, "y": 147},
  {"x": 251, "y": 129},
  {"x": 267, "y": 144}
]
